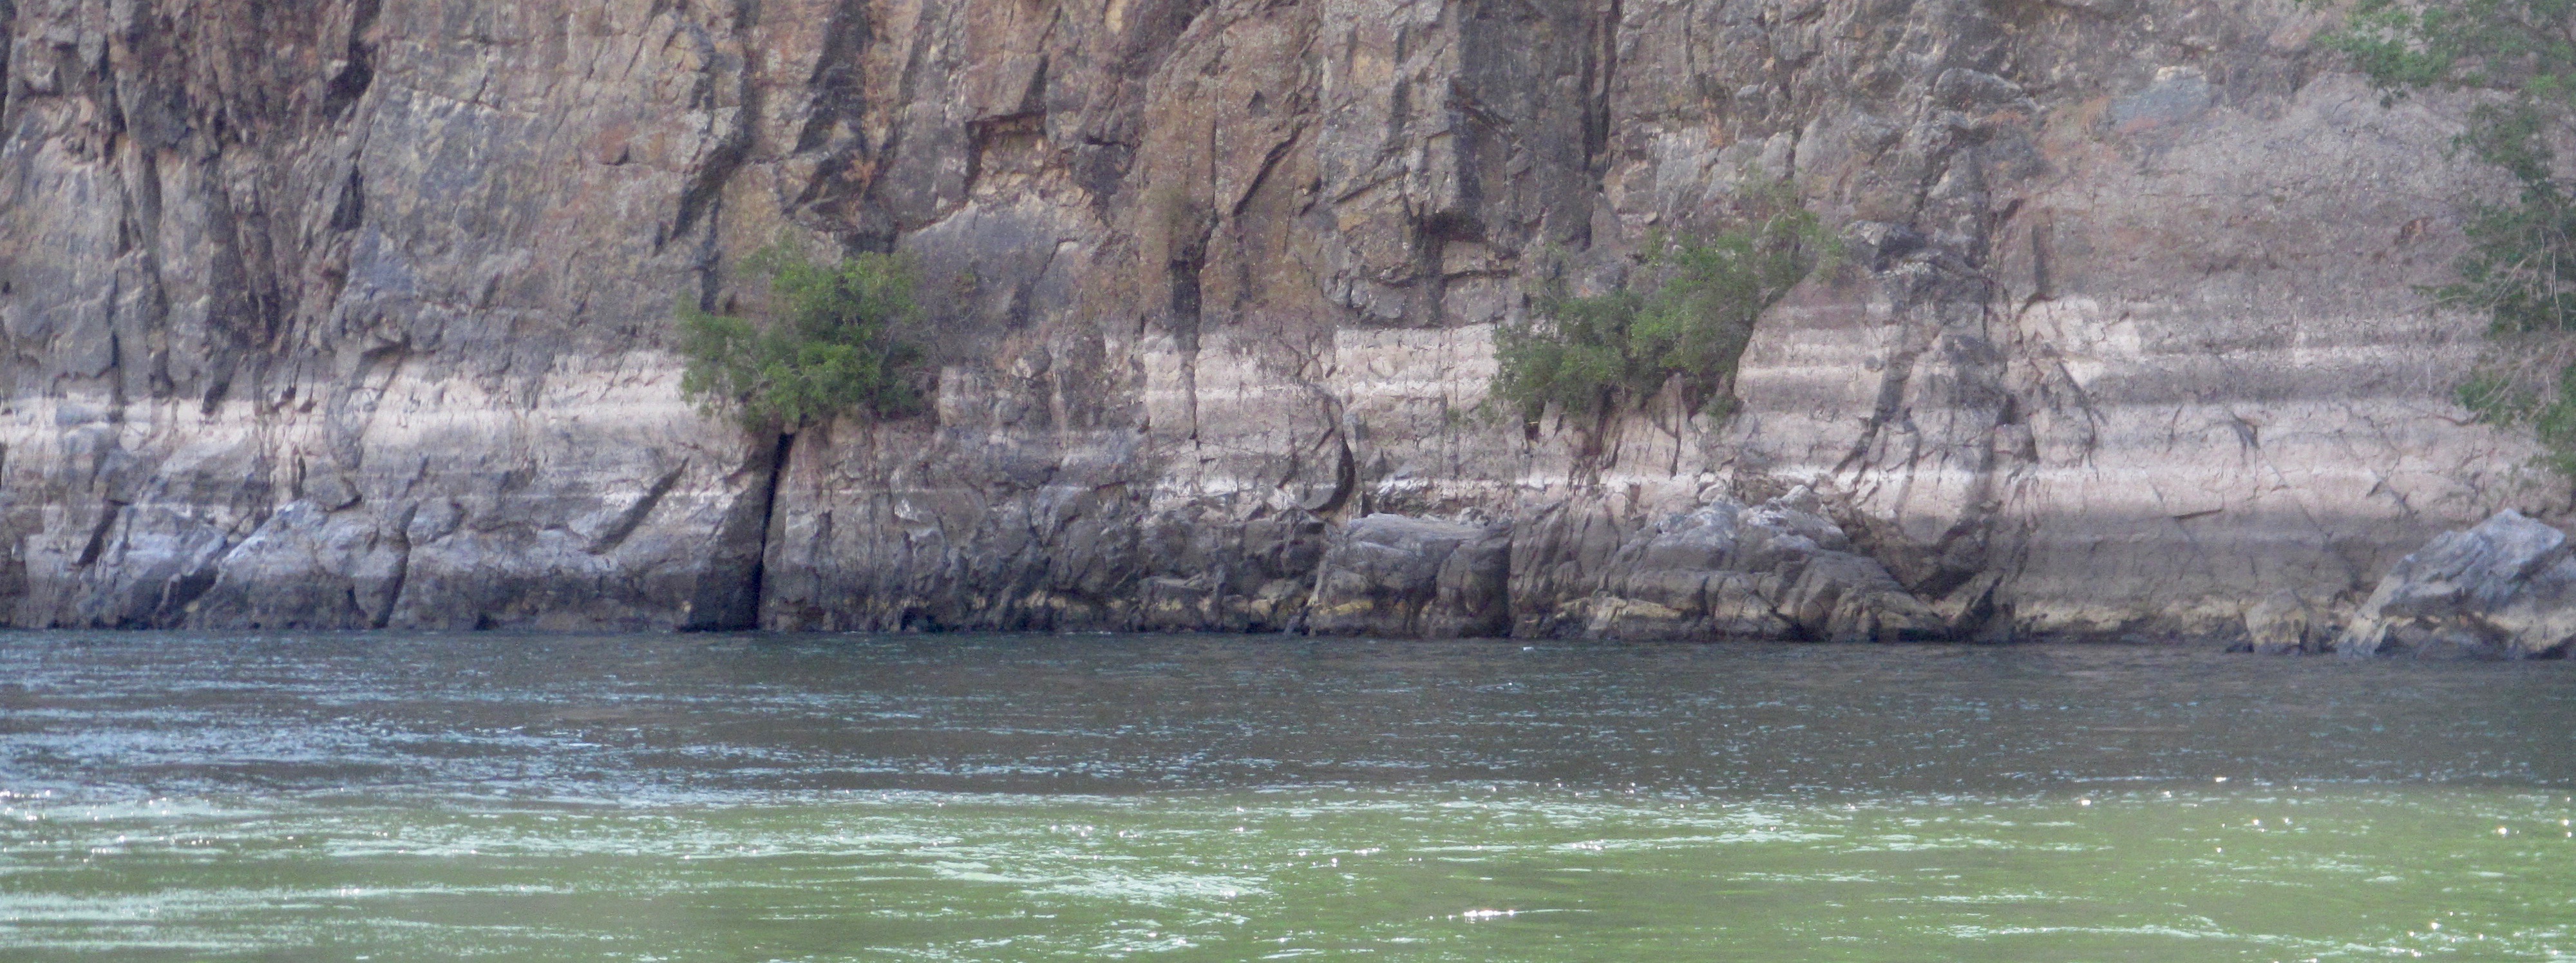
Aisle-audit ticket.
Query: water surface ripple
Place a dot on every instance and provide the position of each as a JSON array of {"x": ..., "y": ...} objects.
[{"x": 386, "y": 796}]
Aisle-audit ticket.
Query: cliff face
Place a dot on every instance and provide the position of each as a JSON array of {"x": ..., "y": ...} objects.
[{"x": 355, "y": 312}]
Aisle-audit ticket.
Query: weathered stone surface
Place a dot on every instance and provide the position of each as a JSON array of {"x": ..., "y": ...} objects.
[
  {"x": 1778, "y": 570},
  {"x": 1842, "y": 597},
  {"x": 1676, "y": 580},
  {"x": 1472, "y": 595},
  {"x": 1558, "y": 561},
  {"x": 2282, "y": 624},
  {"x": 1390, "y": 575},
  {"x": 2506, "y": 587},
  {"x": 357, "y": 312}
]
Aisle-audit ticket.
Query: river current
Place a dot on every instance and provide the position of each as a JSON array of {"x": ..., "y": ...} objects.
[{"x": 736, "y": 798}]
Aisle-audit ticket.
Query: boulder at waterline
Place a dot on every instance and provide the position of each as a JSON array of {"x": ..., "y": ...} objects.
[{"x": 2506, "y": 588}]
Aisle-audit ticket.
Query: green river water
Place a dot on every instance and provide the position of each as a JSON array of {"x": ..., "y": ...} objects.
[{"x": 391, "y": 797}]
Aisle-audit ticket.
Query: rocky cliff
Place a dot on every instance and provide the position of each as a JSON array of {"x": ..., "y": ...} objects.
[{"x": 356, "y": 313}]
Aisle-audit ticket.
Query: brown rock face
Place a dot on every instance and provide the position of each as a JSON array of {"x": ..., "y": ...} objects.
[{"x": 355, "y": 312}]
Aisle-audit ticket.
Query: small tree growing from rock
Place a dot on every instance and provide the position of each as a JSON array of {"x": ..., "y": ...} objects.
[
  {"x": 831, "y": 343},
  {"x": 1685, "y": 317}
]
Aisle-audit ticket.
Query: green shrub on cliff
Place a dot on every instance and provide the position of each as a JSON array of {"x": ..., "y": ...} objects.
[
  {"x": 830, "y": 343},
  {"x": 2509, "y": 390},
  {"x": 1685, "y": 317},
  {"x": 2521, "y": 266},
  {"x": 2520, "y": 269}
]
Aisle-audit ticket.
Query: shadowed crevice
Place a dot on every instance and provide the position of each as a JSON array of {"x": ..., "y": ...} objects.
[
  {"x": 633, "y": 517},
  {"x": 8, "y": 38},
  {"x": 728, "y": 593},
  {"x": 107, "y": 515},
  {"x": 359, "y": 73}
]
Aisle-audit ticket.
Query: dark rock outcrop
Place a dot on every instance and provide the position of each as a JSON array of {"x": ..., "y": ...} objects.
[
  {"x": 1780, "y": 570},
  {"x": 1676, "y": 579},
  {"x": 2506, "y": 588},
  {"x": 1405, "y": 577},
  {"x": 1777, "y": 570}
]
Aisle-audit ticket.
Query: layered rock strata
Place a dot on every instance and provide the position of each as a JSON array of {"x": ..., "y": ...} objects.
[{"x": 347, "y": 313}]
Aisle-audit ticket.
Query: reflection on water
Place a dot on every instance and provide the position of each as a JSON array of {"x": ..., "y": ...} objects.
[{"x": 754, "y": 798}]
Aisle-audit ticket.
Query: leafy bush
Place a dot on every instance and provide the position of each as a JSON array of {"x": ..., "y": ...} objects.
[
  {"x": 1689, "y": 319},
  {"x": 2520, "y": 270},
  {"x": 2517, "y": 387},
  {"x": 831, "y": 343}
]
